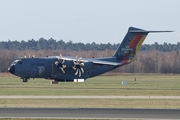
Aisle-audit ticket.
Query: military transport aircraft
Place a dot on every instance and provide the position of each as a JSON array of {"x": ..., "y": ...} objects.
[{"x": 73, "y": 69}]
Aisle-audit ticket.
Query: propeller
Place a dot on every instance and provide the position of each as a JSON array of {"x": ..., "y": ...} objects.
[
  {"x": 60, "y": 63},
  {"x": 78, "y": 66}
]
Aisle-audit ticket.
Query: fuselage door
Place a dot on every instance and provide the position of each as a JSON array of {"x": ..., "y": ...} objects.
[{"x": 33, "y": 72}]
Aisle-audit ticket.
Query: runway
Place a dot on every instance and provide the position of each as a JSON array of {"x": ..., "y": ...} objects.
[{"x": 85, "y": 113}]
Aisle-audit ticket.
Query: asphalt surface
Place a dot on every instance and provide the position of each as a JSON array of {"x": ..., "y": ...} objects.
[{"x": 89, "y": 113}]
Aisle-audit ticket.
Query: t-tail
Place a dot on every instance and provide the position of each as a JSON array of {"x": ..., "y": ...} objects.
[{"x": 131, "y": 44}]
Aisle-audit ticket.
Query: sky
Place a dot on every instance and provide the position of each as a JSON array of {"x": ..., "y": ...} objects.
[{"x": 87, "y": 21}]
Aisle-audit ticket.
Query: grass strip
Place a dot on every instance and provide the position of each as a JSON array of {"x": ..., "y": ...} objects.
[{"x": 92, "y": 103}]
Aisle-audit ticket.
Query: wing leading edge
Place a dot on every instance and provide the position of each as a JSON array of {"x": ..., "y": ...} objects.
[{"x": 102, "y": 62}]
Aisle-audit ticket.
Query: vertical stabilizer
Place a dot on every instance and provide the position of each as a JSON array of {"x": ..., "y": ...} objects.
[{"x": 132, "y": 43}]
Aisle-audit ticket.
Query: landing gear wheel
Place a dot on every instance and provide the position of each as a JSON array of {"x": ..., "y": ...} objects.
[
  {"x": 54, "y": 82},
  {"x": 25, "y": 80}
]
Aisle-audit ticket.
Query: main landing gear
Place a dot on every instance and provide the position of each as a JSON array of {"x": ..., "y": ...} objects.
[
  {"x": 54, "y": 82},
  {"x": 24, "y": 79}
]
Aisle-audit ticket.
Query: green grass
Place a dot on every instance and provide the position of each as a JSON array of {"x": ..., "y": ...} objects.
[
  {"x": 145, "y": 85},
  {"x": 163, "y": 85},
  {"x": 92, "y": 103}
]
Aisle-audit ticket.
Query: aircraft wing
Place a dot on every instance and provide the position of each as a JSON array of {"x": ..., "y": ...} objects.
[
  {"x": 102, "y": 62},
  {"x": 95, "y": 61}
]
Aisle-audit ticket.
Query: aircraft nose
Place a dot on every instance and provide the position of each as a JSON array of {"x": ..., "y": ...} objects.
[{"x": 11, "y": 69}]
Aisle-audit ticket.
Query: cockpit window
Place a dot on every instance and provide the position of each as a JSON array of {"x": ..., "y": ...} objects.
[
  {"x": 17, "y": 61},
  {"x": 20, "y": 62}
]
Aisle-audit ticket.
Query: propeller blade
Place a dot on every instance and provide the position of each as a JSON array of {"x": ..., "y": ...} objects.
[
  {"x": 56, "y": 63},
  {"x": 62, "y": 69},
  {"x": 82, "y": 70},
  {"x": 76, "y": 72},
  {"x": 79, "y": 59},
  {"x": 76, "y": 58},
  {"x": 60, "y": 62},
  {"x": 64, "y": 66},
  {"x": 81, "y": 64},
  {"x": 74, "y": 62},
  {"x": 79, "y": 72},
  {"x": 78, "y": 64},
  {"x": 74, "y": 68}
]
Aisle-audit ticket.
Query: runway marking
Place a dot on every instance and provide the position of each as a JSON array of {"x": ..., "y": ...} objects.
[{"x": 91, "y": 97}]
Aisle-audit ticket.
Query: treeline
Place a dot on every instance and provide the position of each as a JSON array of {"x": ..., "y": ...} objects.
[
  {"x": 147, "y": 62},
  {"x": 154, "y": 62},
  {"x": 52, "y": 44}
]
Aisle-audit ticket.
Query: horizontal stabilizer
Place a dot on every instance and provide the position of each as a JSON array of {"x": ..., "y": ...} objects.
[{"x": 144, "y": 31}]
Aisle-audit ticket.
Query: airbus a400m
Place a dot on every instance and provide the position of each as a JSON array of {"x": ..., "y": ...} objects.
[{"x": 69, "y": 69}]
